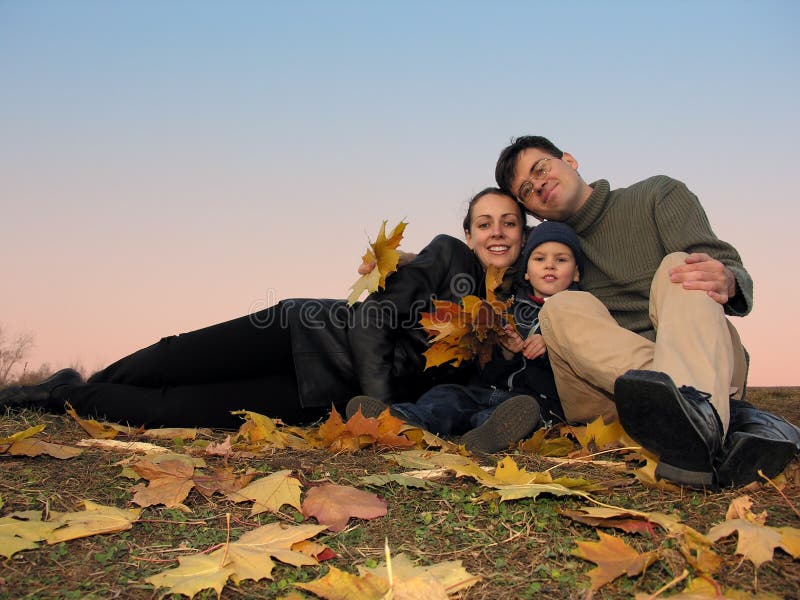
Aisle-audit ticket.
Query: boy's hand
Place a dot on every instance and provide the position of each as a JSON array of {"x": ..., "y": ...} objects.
[
  {"x": 511, "y": 341},
  {"x": 534, "y": 347}
]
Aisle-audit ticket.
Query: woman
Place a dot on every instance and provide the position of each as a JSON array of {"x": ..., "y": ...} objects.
[{"x": 293, "y": 360}]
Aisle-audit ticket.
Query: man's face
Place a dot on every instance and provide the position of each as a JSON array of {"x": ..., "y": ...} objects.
[{"x": 550, "y": 188}]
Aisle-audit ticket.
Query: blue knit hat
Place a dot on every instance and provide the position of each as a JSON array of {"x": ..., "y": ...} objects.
[{"x": 553, "y": 231}]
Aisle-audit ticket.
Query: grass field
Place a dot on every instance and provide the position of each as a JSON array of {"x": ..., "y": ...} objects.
[{"x": 520, "y": 549}]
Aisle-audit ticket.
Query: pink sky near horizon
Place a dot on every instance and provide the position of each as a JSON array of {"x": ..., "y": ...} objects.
[{"x": 164, "y": 169}]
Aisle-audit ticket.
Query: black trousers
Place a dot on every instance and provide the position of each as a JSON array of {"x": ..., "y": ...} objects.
[{"x": 195, "y": 379}]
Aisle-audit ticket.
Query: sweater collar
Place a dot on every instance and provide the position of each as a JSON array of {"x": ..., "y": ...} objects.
[{"x": 587, "y": 215}]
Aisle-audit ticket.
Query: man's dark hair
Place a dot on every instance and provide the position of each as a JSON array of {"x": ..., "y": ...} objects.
[{"x": 506, "y": 164}]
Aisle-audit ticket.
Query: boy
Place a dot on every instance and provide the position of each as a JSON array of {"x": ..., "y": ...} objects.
[{"x": 515, "y": 390}]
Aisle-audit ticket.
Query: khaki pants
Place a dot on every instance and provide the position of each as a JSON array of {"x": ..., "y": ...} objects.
[{"x": 695, "y": 345}]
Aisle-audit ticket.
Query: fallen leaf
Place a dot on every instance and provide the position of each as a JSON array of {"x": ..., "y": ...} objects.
[
  {"x": 251, "y": 555},
  {"x": 450, "y": 575},
  {"x": 36, "y": 447},
  {"x": 530, "y": 490},
  {"x": 171, "y": 433},
  {"x": 399, "y": 478},
  {"x": 383, "y": 253},
  {"x": 18, "y": 534},
  {"x": 126, "y": 447},
  {"x": 341, "y": 585},
  {"x": 222, "y": 480},
  {"x": 93, "y": 428},
  {"x": 598, "y": 435},
  {"x": 757, "y": 542},
  {"x": 540, "y": 444},
  {"x": 333, "y": 505},
  {"x": 95, "y": 519},
  {"x": 739, "y": 508},
  {"x": 21, "y": 435},
  {"x": 259, "y": 430},
  {"x": 270, "y": 493},
  {"x": 169, "y": 476},
  {"x": 195, "y": 573},
  {"x": 613, "y": 558}
]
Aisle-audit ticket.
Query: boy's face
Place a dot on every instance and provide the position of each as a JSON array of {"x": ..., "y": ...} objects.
[{"x": 551, "y": 269}]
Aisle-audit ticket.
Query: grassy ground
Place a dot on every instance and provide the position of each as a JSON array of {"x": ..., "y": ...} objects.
[{"x": 521, "y": 549}]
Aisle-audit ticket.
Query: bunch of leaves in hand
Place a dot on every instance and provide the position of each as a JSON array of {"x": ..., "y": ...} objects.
[
  {"x": 466, "y": 331},
  {"x": 384, "y": 255}
]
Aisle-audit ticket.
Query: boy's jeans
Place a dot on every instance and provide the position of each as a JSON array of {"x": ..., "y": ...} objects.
[{"x": 451, "y": 409}]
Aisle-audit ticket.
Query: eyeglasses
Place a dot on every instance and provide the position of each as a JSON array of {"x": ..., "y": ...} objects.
[{"x": 539, "y": 171}]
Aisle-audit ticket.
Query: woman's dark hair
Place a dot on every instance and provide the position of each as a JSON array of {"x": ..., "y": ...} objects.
[
  {"x": 507, "y": 163},
  {"x": 486, "y": 192}
]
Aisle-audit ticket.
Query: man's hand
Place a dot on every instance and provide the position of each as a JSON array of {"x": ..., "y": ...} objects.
[
  {"x": 534, "y": 347},
  {"x": 701, "y": 272},
  {"x": 365, "y": 268}
]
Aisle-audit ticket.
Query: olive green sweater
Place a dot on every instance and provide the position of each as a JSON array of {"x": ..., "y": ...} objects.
[{"x": 625, "y": 234}]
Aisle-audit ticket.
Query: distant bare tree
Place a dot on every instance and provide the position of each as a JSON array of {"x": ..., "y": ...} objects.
[{"x": 12, "y": 351}]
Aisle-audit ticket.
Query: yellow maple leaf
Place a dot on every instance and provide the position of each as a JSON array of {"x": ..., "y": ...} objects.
[
  {"x": 341, "y": 585},
  {"x": 97, "y": 430},
  {"x": 270, "y": 493},
  {"x": 757, "y": 542},
  {"x": 383, "y": 253},
  {"x": 599, "y": 433},
  {"x": 250, "y": 556},
  {"x": 613, "y": 558},
  {"x": 431, "y": 581},
  {"x": 93, "y": 520},
  {"x": 195, "y": 573}
]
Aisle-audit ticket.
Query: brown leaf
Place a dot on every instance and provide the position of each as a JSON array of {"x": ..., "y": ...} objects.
[
  {"x": 333, "y": 505},
  {"x": 170, "y": 477},
  {"x": 36, "y": 447},
  {"x": 222, "y": 480},
  {"x": 613, "y": 558}
]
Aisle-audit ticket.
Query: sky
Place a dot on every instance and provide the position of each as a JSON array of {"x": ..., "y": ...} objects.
[{"x": 166, "y": 165}]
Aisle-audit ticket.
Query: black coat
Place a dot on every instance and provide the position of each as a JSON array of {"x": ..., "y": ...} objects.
[
  {"x": 376, "y": 346},
  {"x": 385, "y": 337}
]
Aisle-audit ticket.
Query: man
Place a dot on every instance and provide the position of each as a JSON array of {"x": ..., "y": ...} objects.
[{"x": 658, "y": 284}]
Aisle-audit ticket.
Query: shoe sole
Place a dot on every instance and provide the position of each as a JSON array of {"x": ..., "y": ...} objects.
[
  {"x": 749, "y": 454},
  {"x": 370, "y": 407},
  {"x": 647, "y": 409},
  {"x": 514, "y": 419}
]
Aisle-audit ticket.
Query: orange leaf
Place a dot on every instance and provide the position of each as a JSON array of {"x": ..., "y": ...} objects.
[
  {"x": 333, "y": 505},
  {"x": 613, "y": 558}
]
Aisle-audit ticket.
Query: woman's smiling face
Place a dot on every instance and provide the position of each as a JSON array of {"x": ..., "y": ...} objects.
[{"x": 496, "y": 230}]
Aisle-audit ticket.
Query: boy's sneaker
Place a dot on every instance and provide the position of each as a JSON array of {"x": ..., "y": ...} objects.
[
  {"x": 370, "y": 407},
  {"x": 510, "y": 422}
]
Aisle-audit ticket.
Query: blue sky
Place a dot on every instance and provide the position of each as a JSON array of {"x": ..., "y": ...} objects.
[{"x": 166, "y": 165}]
